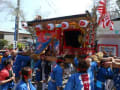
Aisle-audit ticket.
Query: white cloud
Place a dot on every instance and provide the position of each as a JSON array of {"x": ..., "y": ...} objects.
[
  {"x": 56, "y": 8},
  {"x": 71, "y": 7}
]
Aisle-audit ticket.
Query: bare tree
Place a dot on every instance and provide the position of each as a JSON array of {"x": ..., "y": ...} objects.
[{"x": 118, "y": 3}]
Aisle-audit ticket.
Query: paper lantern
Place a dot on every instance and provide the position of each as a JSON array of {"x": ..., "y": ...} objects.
[
  {"x": 38, "y": 27},
  {"x": 24, "y": 25},
  {"x": 50, "y": 26},
  {"x": 83, "y": 23},
  {"x": 65, "y": 25}
]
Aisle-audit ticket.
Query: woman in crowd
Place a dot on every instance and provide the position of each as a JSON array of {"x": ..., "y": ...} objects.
[{"x": 7, "y": 76}]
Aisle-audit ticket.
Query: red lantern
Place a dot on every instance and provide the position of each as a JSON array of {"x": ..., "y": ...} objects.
[
  {"x": 83, "y": 23},
  {"x": 65, "y": 25},
  {"x": 38, "y": 27},
  {"x": 50, "y": 26}
]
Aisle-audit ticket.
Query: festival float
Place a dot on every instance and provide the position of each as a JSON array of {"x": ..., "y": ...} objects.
[{"x": 69, "y": 34}]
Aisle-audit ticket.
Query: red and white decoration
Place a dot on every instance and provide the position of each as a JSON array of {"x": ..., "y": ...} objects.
[
  {"x": 50, "y": 26},
  {"x": 38, "y": 27},
  {"x": 24, "y": 25},
  {"x": 83, "y": 23},
  {"x": 65, "y": 25},
  {"x": 85, "y": 81},
  {"x": 104, "y": 18}
]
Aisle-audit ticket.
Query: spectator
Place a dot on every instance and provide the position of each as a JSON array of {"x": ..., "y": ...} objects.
[
  {"x": 82, "y": 79},
  {"x": 7, "y": 76},
  {"x": 55, "y": 82}
]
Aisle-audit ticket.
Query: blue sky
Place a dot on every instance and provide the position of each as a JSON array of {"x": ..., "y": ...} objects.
[{"x": 45, "y": 8}]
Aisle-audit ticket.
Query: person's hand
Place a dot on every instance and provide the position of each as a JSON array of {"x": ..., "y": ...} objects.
[
  {"x": 110, "y": 58},
  {"x": 66, "y": 52},
  {"x": 113, "y": 63},
  {"x": 12, "y": 78},
  {"x": 14, "y": 74},
  {"x": 107, "y": 64}
]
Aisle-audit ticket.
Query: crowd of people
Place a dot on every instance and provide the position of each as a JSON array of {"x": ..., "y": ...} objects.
[{"x": 23, "y": 70}]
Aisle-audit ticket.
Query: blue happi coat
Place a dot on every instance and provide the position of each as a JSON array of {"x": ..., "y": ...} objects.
[
  {"x": 81, "y": 81},
  {"x": 38, "y": 73},
  {"x": 17, "y": 65},
  {"x": 92, "y": 70},
  {"x": 56, "y": 78},
  {"x": 116, "y": 78},
  {"x": 23, "y": 86},
  {"x": 102, "y": 75},
  {"x": 20, "y": 62},
  {"x": 7, "y": 86},
  {"x": 2, "y": 60}
]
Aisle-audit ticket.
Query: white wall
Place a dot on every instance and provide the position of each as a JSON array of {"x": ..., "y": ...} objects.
[
  {"x": 106, "y": 36},
  {"x": 9, "y": 38}
]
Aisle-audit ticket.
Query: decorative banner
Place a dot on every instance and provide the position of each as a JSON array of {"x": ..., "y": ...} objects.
[
  {"x": 50, "y": 26},
  {"x": 24, "y": 25},
  {"x": 43, "y": 39},
  {"x": 83, "y": 23},
  {"x": 38, "y": 27},
  {"x": 40, "y": 46},
  {"x": 56, "y": 44},
  {"x": 109, "y": 49},
  {"x": 65, "y": 25}
]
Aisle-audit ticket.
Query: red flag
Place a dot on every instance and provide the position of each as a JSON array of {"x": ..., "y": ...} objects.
[{"x": 104, "y": 18}]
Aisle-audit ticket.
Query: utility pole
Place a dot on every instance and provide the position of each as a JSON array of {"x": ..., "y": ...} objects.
[{"x": 16, "y": 33}]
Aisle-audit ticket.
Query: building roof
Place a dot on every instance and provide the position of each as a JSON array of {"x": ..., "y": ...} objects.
[
  {"x": 12, "y": 31},
  {"x": 56, "y": 19}
]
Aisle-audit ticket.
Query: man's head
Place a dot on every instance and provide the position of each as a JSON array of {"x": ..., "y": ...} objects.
[
  {"x": 26, "y": 73},
  {"x": 83, "y": 66},
  {"x": 84, "y": 63},
  {"x": 6, "y": 54},
  {"x": 13, "y": 53},
  {"x": 8, "y": 63},
  {"x": 60, "y": 61}
]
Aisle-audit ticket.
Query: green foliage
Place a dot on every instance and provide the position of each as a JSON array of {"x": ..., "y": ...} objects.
[
  {"x": 10, "y": 46},
  {"x": 3, "y": 43},
  {"x": 20, "y": 45}
]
